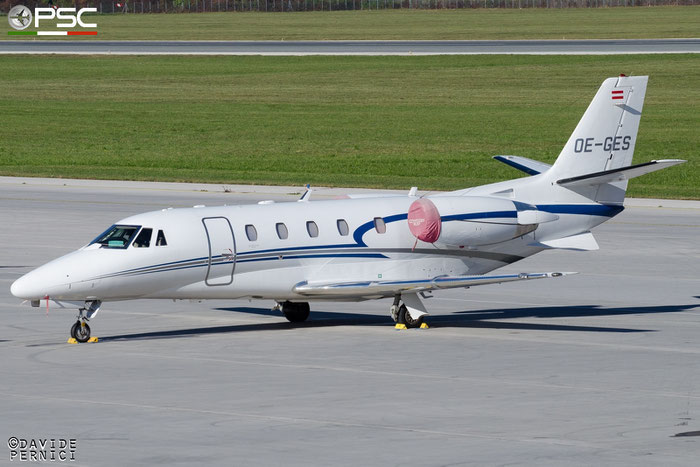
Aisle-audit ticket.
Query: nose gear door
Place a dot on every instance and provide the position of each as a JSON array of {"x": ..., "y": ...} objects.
[{"x": 222, "y": 251}]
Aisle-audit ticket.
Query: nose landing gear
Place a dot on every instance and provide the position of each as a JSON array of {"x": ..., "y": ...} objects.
[{"x": 80, "y": 331}]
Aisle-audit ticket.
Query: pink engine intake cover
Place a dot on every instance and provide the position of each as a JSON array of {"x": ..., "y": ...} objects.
[{"x": 424, "y": 220}]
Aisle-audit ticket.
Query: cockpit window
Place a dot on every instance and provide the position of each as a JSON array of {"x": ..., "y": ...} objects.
[
  {"x": 143, "y": 240},
  {"x": 117, "y": 236},
  {"x": 160, "y": 239}
]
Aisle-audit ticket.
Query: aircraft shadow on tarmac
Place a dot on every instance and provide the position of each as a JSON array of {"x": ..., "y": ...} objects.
[{"x": 461, "y": 319}]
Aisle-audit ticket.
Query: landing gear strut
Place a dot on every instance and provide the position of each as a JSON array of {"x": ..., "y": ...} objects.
[
  {"x": 394, "y": 310},
  {"x": 295, "y": 312},
  {"x": 80, "y": 331}
]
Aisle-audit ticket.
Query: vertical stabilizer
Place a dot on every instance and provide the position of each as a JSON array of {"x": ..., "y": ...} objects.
[{"x": 604, "y": 139}]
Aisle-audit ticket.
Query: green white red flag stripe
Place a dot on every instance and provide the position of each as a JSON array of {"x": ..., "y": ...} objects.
[{"x": 51, "y": 33}]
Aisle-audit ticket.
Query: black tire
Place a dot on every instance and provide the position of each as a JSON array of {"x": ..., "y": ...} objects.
[
  {"x": 296, "y": 312},
  {"x": 405, "y": 318},
  {"x": 81, "y": 333},
  {"x": 74, "y": 329}
]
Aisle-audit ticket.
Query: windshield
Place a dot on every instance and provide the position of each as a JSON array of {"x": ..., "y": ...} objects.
[{"x": 117, "y": 236}]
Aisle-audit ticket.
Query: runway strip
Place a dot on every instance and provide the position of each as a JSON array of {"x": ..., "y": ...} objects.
[{"x": 520, "y": 47}]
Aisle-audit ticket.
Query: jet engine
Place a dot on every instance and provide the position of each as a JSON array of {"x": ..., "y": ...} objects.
[{"x": 470, "y": 221}]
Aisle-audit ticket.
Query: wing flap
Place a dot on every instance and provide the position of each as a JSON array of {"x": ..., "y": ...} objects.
[{"x": 387, "y": 287}]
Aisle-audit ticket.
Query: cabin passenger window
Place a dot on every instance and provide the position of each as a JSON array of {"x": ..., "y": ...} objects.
[
  {"x": 379, "y": 225},
  {"x": 343, "y": 228},
  {"x": 251, "y": 232},
  {"x": 160, "y": 239},
  {"x": 312, "y": 228},
  {"x": 143, "y": 240},
  {"x": 282, "y": 232}
]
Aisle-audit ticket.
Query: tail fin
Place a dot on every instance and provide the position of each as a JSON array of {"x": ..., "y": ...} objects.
[{"x": 604, "y": 139}]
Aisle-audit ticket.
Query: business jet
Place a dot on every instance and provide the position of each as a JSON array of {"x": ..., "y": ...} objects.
[{"x": 362, "y": 247}]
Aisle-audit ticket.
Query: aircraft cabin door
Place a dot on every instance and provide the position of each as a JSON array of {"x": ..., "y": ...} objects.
[{"x": 222, "y": 251}]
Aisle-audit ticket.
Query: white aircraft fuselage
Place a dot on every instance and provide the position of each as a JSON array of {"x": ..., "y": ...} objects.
[{"x": 208, "y": 254}]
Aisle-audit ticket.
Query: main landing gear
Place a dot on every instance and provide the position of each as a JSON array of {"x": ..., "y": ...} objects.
[
  {"x": 80, "y": 331},
  {"x": 405, "y": 318},
  {"x": 295, "y": 312},
  {"x": 407, "y": 311}
]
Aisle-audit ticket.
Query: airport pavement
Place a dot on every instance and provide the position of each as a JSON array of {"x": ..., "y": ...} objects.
[
  {"x": 601, "y": 368},
  {"x": 370, "y": 47}
]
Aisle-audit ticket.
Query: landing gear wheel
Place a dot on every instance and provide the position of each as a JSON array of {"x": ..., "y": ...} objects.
[
  {"x": 80, "y": 331},
  {"x": 406, "y": 318},
  {"x": 296, "y": 312}
]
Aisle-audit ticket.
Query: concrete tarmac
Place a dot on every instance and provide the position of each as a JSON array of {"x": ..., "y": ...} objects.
[
  {"x": 600, "y": 368},
  {"x": 370, "y": 47}
]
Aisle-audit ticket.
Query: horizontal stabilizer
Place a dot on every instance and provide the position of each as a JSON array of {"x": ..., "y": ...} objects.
[
  {"x": 389, "y": 288},
  {"x": 529, "y": 166},
  {"x": 580, "y": 242},
  {"x": 617, "y": 175}
]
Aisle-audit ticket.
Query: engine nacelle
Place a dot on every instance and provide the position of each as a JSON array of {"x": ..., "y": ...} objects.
[{"x": 465, "y": 221}]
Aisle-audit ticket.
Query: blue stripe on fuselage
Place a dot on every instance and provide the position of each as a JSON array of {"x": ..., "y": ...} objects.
[
  {"x": 605, "y": 210},
  {"x": 358, "y": 234},
  {"x": 367, "y": 226}
]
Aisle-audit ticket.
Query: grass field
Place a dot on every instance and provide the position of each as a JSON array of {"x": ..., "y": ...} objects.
[
  {"x": 389, "y": 122},
  {"x": 568, "y": 23}
]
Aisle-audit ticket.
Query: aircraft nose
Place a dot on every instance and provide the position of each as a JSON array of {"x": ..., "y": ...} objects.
[{"x": 27, "y": 288}]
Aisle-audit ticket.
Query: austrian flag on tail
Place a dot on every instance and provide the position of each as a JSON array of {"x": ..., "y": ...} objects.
[{"x": 618, "y": 95}]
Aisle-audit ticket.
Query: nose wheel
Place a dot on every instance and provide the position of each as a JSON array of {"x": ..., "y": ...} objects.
[{"x": 80, "y": 331}]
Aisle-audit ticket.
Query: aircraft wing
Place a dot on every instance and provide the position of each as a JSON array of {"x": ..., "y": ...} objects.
[{"x": 387, "y": 288}]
